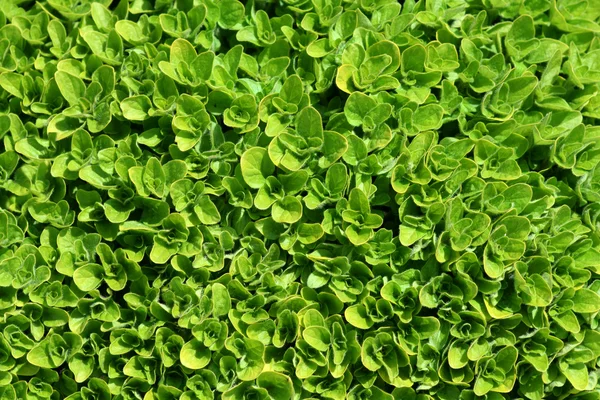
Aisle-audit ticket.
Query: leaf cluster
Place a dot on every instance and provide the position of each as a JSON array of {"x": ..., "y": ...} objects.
[{"x": 299, "y": 199}]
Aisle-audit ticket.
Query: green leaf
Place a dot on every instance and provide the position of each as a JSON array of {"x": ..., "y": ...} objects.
[
  {"x": 586, "y": 301},
  {"x": 88, "y": 277},
  {"x": 221, "y": 300},
  {"x": 71, "y": 87},
  {"x": 357, "y": 316},
  {"x": 256, "y": 167},
  {"x": 287, "y": 210},
  {"x": 136, "y": 108},
  {"x": 520, "y": 88},
  {"x": 318, "y": 337},
  {"x": 577, "y": 374},
  {"x": 428, "y": 117},
  {"x": 231, "y": 13},
  {"x": 277, "y": 385},
  {"x": 309, "y": 233},
  {"x": 194, "y": 355},
  {"x": 309, "y": 123},
  {"x": 357, "y": 107},
  {"x": 131, "y": 32}
]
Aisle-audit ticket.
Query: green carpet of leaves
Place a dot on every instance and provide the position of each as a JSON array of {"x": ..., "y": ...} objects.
[{"x": 299, "y": 199}]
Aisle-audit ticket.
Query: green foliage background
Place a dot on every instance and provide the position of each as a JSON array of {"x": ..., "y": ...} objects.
[{"x": 299, "y": 199}]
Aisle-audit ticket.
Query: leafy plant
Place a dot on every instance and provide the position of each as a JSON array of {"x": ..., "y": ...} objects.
[{"x": 299, "y": 199}]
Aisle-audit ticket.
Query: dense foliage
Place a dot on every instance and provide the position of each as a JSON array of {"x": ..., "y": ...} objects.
[{"x": 299, "y": 199}]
